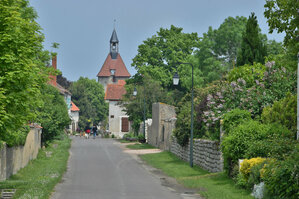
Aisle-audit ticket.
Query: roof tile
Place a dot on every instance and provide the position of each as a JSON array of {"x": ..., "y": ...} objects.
[
  {"x": 115, "y": 91},
  {"x": 74, "y": 107},
  {"x": 117, "y": 64}
]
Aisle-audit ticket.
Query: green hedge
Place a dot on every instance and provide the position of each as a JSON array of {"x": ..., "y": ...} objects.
[
  {"x": 282, "y": 177},
  {"x": 283, "y": 112},
  {"x": 253, "y": 139}
]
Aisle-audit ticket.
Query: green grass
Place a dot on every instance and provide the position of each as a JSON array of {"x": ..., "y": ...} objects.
[
  {"x": 39, "y": 177},
  {"x": 140, "y": 146},
  {"x": 211, "y": 185},
  {"x": 123, "y": 141}
]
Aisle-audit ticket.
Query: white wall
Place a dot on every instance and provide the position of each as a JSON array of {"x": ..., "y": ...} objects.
[
  {"x": 75, "y": 120},
  {"x": 115, "y": 123}
]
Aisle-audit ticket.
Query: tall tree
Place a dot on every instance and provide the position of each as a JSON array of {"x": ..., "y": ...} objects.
[
  {"x": 218, "y": 48},
  {"x": 228, "y": 38},
  {"x": 283, "y": 16},
  {"x": 88, "y": 95},
  {"x": 252, "y": 47},
  {"x": 53, "y": 114},
  {"x": 149, "y": 91},
  {"x": 158, "y": 54},
  {"x": 22, "y": 62}
]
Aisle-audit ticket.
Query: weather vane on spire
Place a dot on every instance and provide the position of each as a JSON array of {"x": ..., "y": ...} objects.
[{"x": 114, "y": 23}]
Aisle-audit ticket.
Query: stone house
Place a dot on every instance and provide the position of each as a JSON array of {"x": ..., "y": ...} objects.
[{"x": 112, "y": 76}]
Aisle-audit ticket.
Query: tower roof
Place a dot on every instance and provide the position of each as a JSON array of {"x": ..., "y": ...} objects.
[
  {"x": 117, "y": 64},
  {"x": 115, "y": 92},
  {"x": 114, "y": 38}
]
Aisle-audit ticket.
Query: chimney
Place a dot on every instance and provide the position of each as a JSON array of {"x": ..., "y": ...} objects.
[
  {"x": 54, "y": 65},
  {"x": 54, "y": 61}
]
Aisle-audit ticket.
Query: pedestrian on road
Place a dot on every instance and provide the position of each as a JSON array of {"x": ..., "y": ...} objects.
[
  {"x": 94, "y": 131},
  {"x": 87, "y": 131}
]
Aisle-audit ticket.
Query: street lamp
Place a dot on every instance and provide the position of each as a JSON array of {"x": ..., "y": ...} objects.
[
  {"x": 176, "y": 82},
  {"x": 144, "y": 108}
]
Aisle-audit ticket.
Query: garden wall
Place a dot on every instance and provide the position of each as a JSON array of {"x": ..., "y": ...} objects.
[
  {"x": 206, "y": 154},
  {"x": 12, "y": 159}
]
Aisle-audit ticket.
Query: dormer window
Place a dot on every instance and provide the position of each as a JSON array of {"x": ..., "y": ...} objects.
[{"x": 112, "y": 71}]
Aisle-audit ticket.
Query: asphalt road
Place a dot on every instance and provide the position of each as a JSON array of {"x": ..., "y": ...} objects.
[{"x": 99, "y": 169}]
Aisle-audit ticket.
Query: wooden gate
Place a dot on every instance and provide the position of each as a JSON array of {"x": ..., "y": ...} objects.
[{"x": 124, "y": 124}]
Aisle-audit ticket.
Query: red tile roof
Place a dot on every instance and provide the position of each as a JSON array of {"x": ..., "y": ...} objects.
[
  {"x": 74, "y": 107},
  {"x": 117, "y": 64},
  {"x": 115, "y": 91}
]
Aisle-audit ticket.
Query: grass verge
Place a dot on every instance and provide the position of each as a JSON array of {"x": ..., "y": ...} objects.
[
  {"x": 39, "y": 177},
  {"x": 123, "y": 141},
  {"x": 140, "y": 146},
  {"x": 211, "y": 185}
]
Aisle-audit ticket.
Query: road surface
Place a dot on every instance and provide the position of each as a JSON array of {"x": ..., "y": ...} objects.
[{"x": 100, "y": 169}]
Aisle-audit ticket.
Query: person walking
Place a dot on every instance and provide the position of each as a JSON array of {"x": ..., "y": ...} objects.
[
  {"x": 87, "y": 131},
  {"x": 94, "y": 131}
]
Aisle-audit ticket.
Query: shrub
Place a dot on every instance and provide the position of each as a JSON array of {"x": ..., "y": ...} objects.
[
  {"x": 53, "y": 115},
  {"x": 248, "y": 164},
  {"x": 235, "y": 145},
  {"x": 249, "y": 73},
  {"x": 127, "y": 135},
  {"x": 141, "y": 139},
  {"x": 255, "y": 175},
  {"x": 17, "y": 137},
  {"x": 283, "y": 112},
  {"x": 277, "y": 143},
  {"x": 282, "y": 177},
  {"x": 234, "y": 118}
]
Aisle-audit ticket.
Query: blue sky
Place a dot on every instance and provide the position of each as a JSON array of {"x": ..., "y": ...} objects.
[{"x": 84, "y": 28}]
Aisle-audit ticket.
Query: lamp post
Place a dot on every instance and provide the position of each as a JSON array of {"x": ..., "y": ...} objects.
[
  {"x": 176, "y": 82},
  {"x": 144, "y": 108}
]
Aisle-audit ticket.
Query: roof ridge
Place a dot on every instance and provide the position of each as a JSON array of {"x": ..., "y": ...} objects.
[{"x": 117, "y": 64}]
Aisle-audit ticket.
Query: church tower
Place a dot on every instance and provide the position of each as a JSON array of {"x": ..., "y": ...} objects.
[
  {"x": 113, "y": 68},
  {"x": 112, "y": 76}
]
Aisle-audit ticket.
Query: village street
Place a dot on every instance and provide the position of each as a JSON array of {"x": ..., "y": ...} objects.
[{"x": 99, "y": 169}]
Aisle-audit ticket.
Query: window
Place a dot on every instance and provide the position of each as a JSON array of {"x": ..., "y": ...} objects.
[{"x": 111, "y": 116}]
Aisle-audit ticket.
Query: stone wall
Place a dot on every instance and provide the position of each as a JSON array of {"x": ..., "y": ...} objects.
[
  {"x": 12, "y": 159},
  {"x": 148, "y": 126},
  {"x": 206, "y": 154},
  {"x": 164, "y": 118}
]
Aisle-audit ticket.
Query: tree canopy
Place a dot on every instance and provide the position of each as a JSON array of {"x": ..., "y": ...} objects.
[
  {"x": 283, "y": 16},
  {"x": 22, "y": 63},
  {"x": 158, "y": 55},
  {"x": 149, "y": 91},
  {"x": 88, "y": 95},
  {"x": 53, "y": 114},
  {"x": 253, "y": 49}
]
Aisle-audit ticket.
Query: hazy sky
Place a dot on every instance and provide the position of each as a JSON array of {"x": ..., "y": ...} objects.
[{"x": 84, "y": 27}]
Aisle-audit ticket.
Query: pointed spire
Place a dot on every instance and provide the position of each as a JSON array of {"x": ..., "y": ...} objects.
[{"x": 114, "y": 38}]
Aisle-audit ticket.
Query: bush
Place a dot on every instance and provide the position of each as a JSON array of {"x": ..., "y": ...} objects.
[
  {"x": 278, "y": 143},
  {"x": 17, "y": 137},
  {"x": 235, "y": 145},
  {"x": 141, "y": 139},
  {"x": 248, "y": 164},
  {"x": 53, "y": 115},
  {"x": 282, "y": 177},
  {"x": 127, "y": 135},
  {"x": 249, "y": 73},
  {"x": 283, "y": 112},
  {"x": 234, "y": 118}
]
